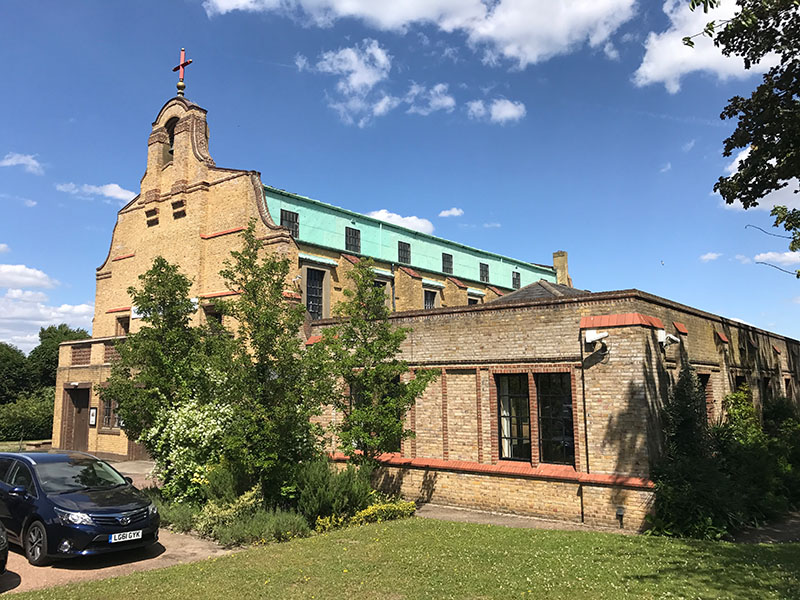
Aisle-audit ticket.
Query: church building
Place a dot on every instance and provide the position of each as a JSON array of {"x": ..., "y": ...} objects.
[{"x": 548, "y": 400}]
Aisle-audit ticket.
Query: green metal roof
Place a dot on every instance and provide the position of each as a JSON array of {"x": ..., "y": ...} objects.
[{"x": 324, "y": 225}]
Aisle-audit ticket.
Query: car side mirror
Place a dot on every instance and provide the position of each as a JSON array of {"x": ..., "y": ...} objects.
[
  {"x": 19, "y": 490},
  {"x": 129, "y": 480}
]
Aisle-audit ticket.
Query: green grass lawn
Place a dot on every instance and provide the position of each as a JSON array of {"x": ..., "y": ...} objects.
[
  {"x": 420, "y": 558},
  {"x": 14, "y": 446}
]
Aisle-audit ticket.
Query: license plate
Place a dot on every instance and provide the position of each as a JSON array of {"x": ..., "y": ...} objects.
[{"x": 125, "y": 536}]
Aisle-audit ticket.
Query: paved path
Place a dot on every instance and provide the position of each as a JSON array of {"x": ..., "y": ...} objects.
[
  {"x": 786, "y": 530},
  {"x": 171, "y": 549}
]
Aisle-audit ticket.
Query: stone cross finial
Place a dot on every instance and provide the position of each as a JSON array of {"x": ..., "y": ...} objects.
[{"x": 184, "y": 63}]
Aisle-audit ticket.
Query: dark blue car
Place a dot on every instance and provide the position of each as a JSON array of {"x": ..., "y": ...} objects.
[
  {"x": 3, "y": 549},
  {"x": 59, "y": 505}
]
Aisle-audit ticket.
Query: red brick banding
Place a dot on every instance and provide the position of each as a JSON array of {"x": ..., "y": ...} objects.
[
  {"x": 208, "y": 236},
  {"x": 123, "y": 256},
  {"x": 120, "y": 309},
  {"x": 511, "y": 468},
  {"x": 623, "y": 320}
]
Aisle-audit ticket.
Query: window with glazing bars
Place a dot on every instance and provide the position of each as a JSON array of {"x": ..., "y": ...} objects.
[
  {"x": 352, "y": 240},
  {"x": 314, "y": 281},
  {"x": 291, "y": 220},
  {"x": 484, "y": 273},
  {"x": 430, "y": 299},
  {"x": 514, "y": 416},
  {"x": 110, "y": 416},
  {"x": 404, "y": 252},
  {"x": 447, "y": 263},
  {"x": 556, "y": 437},
  {"x": 515, "y": 280}
]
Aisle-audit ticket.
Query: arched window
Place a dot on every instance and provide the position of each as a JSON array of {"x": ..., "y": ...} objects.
[{"x": 170, "y": 147}]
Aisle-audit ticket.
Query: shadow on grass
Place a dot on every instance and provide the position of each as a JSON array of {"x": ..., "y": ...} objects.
[{"x": 731, "y": 570}]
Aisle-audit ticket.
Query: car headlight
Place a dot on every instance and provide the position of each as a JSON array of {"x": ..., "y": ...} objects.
[
  {"x": 153, "y": 510},
  {"x": 73, "y": 518}
]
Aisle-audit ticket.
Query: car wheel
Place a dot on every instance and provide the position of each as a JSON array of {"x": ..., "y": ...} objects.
[{"x": 36, "y": 544}]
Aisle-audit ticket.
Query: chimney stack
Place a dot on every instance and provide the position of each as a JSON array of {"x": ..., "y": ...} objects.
[{"x": 562, "y": 271}]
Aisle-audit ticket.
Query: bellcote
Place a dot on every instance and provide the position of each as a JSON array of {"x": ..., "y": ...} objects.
[{"x": 177, "y": 149}]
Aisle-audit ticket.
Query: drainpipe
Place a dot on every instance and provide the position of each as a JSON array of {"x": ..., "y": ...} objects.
[{"x": 394, "y": 305}]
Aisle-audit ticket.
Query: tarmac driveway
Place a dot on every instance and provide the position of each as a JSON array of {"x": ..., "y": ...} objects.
[{"x": 171, "y": 549}]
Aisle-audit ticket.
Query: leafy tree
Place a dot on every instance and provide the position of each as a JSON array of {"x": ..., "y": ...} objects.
[
  {"x": 14, "y": 373},
  {"x": 173, "y": 383},
  {"x": 283, "y": 384},
  {"x": 691, "y": 490},
  {"x": 30, "y": 417},
  {"x": 43, "y": 359},
  {"x": 768, "y": 122},
  {"x": 365, "y": 346}
]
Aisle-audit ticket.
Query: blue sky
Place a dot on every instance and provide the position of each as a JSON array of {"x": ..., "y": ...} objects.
[{"x": 580, "y": 125}]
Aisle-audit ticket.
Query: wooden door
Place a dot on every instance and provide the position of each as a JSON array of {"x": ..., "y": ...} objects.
[{"x": 80, "y": 419}]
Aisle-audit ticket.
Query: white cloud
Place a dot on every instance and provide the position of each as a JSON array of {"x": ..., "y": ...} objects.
[
  {"x": 688, "y": 146},
  {"x": 665, "y": 168},
  {"x": 796, "y": 300},
  {"x": 667, "y": 60},
  {"x": 110, "y": 191},
  {"x": 492, "y": 225},
  {"x": 505, "y": 111},
  {"x": 415, "y": 223},
  {"x": 25, "y": 295},
  {"x": 611, "y": 51},
  {"x": 500, "y": 110},
  {"x": 786, "y": 259},
  {"x": 523, "y": 31},
  {"x": 20, "y": 276},
  {"x": 29, "y": 203},
  {"x": 476, "y": 109},
  {"x": 26, "y": 161},
  {"x": 745, "y": 260},
  {"x": 4, "y": 248},
  {"x": 360, "y": 68},
  {"x": 742, "y": 321},
  {"x": 451, "y": 212},
  {"x": 784, "y": 197},
  {"x": 21, "y": 317},
  {"x": 709, "y": 256},
  {"x": 425, "y": 101}
]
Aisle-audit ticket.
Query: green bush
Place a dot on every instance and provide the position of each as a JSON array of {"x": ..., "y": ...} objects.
[
  {"x": 30, "y": 417},
  {"x": 262, "y": 526},
  {"x": 325, "y": 492},
  {"x": 178, "y": 516},
  {"x": 217, "y": 515},
  {"x": 384, "y": 511}
]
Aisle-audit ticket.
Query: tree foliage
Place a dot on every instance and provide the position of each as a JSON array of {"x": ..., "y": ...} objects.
[
  {"x": 378, "y": 391},
  {"x": 15, "y": 375},
  {"x": 283, "y": 385},
  {"x": 43, "y": 359},
  {"x": 768, "y": 122},
  {"x": 173, "y": 384}
]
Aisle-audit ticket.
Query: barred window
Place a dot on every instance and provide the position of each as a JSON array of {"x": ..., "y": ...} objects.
[
  {"x": 404, "y": 252},
  {"x": 556, "y": 431},
  {"x": 430, "y": 299},
  {"x": 352, "y": 240},
  {"x": 484, "y": 273},
  {"x": 291, "y": 220},
  {"x": 447, "y": 263},
  {"x": 515, "y": 280},
  {"x": 514, "y": 422},
  {"x": 314, "y": 291}
]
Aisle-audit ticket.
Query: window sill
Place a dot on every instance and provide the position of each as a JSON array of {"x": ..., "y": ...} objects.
[{"x": 109, "y": 431}]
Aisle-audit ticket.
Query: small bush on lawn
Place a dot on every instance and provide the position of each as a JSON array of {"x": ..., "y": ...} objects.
[
  {"x": 384, "y": 511},
  {"x": 262, "y": 526},
  {"x": 217, "y": 515},
  {"x": 326, "y": 492},
  {"x": 178, "y": 516}
]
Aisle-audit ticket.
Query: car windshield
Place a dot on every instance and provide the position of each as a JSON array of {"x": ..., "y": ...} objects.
[{"x": 77, "y": 474}]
